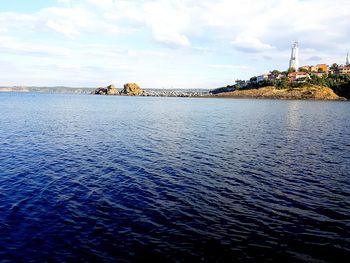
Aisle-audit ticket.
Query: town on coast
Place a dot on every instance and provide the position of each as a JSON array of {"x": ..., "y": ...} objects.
[{"x": 319, "y": 81}]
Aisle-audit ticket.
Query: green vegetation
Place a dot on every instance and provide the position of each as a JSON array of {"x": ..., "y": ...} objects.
[
  {"x": 282, "y": 83},
  {"x": 225, "y": 89},
  {"x": 339, "y": 83},
  {"x": 290, "y": 70}
]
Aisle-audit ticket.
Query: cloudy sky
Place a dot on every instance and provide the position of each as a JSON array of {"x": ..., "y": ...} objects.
[{"x": 164, "y": 43}]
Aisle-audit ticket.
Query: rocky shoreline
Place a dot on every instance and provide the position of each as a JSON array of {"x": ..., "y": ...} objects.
[
  {"x": 309, "y": 92},
  {"x": 132, "y": 89}
]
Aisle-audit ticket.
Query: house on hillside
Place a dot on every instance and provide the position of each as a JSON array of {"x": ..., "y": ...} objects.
[
  {"x": 322, "y": 67},
  {"x": 272, "y": 76},
  {"x": 344, "y": 70},
  {"x": 298, "y": 76},
  {"x": 262, "y": 77},
  {"x": 319, "y": 74}
]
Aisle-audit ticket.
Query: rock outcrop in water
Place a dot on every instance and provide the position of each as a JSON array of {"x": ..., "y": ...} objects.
[
  {"x": 132, "y": 89},
  {"x": 109, "y": 90}
]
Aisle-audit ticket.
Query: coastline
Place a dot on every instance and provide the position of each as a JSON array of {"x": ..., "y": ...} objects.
[{"x": 309, "y": 92}]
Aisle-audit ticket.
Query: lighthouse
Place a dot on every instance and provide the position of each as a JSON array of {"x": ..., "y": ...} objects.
[{"x": 294, "y": 58}]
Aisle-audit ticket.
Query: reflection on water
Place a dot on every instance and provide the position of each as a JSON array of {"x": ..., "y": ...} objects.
[{"x": 293, "y": 116}]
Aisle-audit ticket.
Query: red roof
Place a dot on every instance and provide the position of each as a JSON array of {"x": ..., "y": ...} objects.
[{"x": 292, "y": 74}]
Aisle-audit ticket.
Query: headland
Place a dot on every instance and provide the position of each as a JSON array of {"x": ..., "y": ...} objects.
[{"x": 307, "y": 92}]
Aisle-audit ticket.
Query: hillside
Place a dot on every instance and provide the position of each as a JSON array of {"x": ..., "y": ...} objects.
[{"x": 312, "y": 92}]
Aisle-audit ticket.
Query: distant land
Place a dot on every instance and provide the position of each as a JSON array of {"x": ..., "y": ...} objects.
[
  {"x": 57, "y": 89},
  {"x": 85, "y": 90}
]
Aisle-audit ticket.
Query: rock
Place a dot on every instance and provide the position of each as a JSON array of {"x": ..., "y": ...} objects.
[
  {"x": 101, "y": 91},
  {"x": 112, "y": 90},
  {"x": 109, "y": 90},
  {"x": 132, "y": 89}
]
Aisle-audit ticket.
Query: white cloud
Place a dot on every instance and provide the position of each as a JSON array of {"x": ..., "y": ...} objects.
[
  {"x": 229, "y": 66},
  {"x": 12, "y": 46},
  {"x": 64, "y": 1},
  {"x": 104, "y": 4},
  {"x": 14, "y": 21},
  {"x": 70, "y": 21},
  {"x": 168, "y": 21},
  {"x": 74, "y": 21},
  {"x": 64, "y": 27},
  {"x": 247, "y": 43}
]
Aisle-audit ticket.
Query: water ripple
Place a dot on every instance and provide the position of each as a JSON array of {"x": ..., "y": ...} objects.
[{"x": 86, "y": 178}]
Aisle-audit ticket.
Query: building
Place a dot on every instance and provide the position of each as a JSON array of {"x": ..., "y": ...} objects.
[
  {"x": 294, "y": 76},
  {"x": 262, "y": 77},
  {"x": 322, "y": 68},
  {"x": 317, "y": 68},
  {"x": 344, "y": 70},
  {"x": 272, "y": 76},
  {"x": 294, "y": 58},
  {"x": 313, "y": 68},
  {"x": 347, "y": 60}
]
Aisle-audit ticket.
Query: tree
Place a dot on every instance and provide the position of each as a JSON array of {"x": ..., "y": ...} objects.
[
  {"x": 275, "y": 72},
  {"x": 284, "y": 73},
  {"x": 318, "y": 81},
  {"x": 265, "y": 83},
  {"x": 282, "y": 83},
  {"x": 335, "y": 67},
  {"x": 303, "y": 70},
  {"x": 291, "y": 69},
  {"x": 253, "y": 79},
  {"x": 237, "y": 86}
]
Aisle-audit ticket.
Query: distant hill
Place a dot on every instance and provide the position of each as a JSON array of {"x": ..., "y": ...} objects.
[{"x": 58, "y": 89}]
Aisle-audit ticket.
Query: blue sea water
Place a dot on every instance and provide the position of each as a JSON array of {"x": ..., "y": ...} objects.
[{"x": 118, "y": 179}]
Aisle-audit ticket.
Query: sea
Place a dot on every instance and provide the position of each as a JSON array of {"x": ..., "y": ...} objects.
[{"x": 87, "y": 178}]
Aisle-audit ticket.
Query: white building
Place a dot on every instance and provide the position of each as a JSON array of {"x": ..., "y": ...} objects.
[
  {"x": 262, "y": 77},
  {"x": 294, "y": 58}
]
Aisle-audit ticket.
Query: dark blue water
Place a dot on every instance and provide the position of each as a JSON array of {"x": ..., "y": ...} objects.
[{"x": 114, "y": 179}]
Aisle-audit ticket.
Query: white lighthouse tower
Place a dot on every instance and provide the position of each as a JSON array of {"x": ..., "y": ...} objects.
[{"x": 294, "y": 58}]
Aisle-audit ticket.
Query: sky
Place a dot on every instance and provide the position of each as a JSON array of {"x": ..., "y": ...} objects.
[{"x": 164, "y": 43}]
